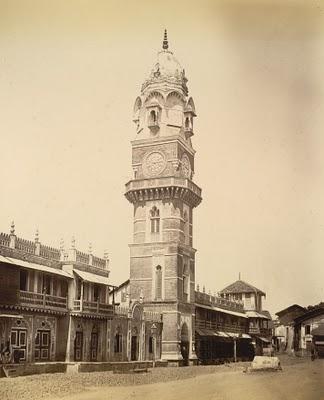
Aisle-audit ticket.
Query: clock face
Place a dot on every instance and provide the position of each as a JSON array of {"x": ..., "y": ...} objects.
[
  {"x": 185, "y": 166},
  {"x": 154, "y": 164}
]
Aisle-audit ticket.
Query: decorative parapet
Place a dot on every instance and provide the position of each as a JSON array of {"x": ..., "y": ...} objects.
[
  {"x": 26, "y": 246},
  {"x": 82, "y": 258},
  {"x": 50, "y": 252},
  {"x": 217, "y": 301},
  {"x": 4, "y": 239},
  {"x": 98, "y": 262},
  {"x": 13, "y": 246}
]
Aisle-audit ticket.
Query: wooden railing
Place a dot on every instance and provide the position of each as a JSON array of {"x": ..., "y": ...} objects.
[
  {"x": 44, "y": 301},
  {"x": 218, "y": 326},
  {"x": 93, "y": 307}
]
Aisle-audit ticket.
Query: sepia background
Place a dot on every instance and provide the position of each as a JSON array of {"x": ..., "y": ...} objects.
[{"x": 69, "y": 75}]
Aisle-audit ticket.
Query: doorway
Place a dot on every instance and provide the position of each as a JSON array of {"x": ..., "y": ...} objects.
[
  {"x": 134, "y": 354},
  {"x": 184, "y": 345},
  {"x": 78, "y": 346},
  {"x": 18, "y": 341},
  {"x": 42, "y": 345},
  {"x": 94, "y": 346}
]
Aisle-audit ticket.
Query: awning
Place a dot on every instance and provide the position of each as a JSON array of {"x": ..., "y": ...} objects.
[
  {"x": 254, "y": 314},
  {"x": 223, "y": 310},
  {"x": 38, "y": 267},
  {"x": 221, "y": 334},
  {"x": 263, "y": 339},
  {"x": 204, "y": 332},
  {"x": 93, "y": 278},
  {"x": 233, "y": 335},
  {"x": 210, "y": 333},
  {"x": 4, "y": 259},
  {"x": 246, "y": 336}
]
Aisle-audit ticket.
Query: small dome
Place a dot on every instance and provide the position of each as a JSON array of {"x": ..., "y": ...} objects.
[
  {"x": 168, "y": 65},
  {"x": 167, "y": 69}
]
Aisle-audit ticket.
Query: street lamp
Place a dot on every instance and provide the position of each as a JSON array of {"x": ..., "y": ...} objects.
[{"x": 153, "y": 334}]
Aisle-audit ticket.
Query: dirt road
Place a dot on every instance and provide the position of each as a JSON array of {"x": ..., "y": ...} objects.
[
  {"x": 304, "y": 381},
  {"x": 301, "y": 379}
]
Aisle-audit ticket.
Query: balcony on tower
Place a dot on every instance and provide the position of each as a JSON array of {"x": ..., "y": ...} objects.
[{"x": 163, "y": 188}]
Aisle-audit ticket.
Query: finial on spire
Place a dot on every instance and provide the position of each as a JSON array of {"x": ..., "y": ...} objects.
[
  {"x": 62, "y": 244},
  {"x": 239, "y": 276},
  {"x": 90, "y": 248},
  {"x": 165, "y": 40},
  {"x": 73, "y": 242},
  {"x": 12, "y": 230}
]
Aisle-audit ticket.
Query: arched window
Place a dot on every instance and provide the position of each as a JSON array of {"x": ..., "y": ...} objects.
[
  {"x": 187, "y": 123},
  {"x": 153, "y": 117},
  {"x": 158, "y": 282},
  {"x": 118, "y": 343},
  {"x": 155, "y": 220}
]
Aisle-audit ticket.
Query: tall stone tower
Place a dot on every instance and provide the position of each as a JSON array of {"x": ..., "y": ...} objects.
[{"x": 162, "y": 257}]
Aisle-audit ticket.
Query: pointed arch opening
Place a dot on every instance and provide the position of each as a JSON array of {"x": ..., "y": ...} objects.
[{"x": 155, "y": 220}]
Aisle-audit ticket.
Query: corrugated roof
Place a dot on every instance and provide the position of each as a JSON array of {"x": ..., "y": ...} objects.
[{"x": 241, "y": 287}]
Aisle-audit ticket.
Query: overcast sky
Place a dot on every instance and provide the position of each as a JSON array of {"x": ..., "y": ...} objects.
[{"x": 69, "y": 75}]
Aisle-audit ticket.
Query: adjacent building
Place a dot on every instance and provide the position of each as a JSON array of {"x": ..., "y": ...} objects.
[
  {"x": 259, "y": 320},
  {"x": 54, "y": 306}
]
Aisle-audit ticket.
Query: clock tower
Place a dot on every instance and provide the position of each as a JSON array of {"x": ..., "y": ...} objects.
[{"x": 162, "y": 191}]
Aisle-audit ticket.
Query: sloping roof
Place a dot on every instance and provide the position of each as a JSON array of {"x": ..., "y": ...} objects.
[
  {"x": 294, "y": 307},
  {"x": 258, "y": 314},
  {"x": 223, "y": 310},
  {"x": 241, "y": 287},
  {"x": 266, "y": 314},
  {"x": 319, "y": 331},
  {"x": 37, "y": 267},
  {"x": 89, "y": 277},
  {"x": 309, "y": 314}
]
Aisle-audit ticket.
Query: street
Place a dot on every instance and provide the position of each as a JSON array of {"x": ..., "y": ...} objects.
[{"x": 299, "y": 380}]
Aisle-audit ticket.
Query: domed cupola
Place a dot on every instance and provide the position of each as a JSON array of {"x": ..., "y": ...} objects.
[{"x": 167, "y": 74}]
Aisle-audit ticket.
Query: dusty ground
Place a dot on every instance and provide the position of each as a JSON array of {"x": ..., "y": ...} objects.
[{"x": 299, "y": 380}]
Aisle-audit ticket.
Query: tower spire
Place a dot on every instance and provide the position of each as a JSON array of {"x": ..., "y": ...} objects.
[{"x": 165, "y": 45}]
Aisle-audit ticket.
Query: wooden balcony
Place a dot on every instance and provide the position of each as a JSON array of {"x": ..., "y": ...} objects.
[
  {"x": 218, "y": 326},
  {"x": 42, "y": 301},
  {"x": 93, "y": 307}
]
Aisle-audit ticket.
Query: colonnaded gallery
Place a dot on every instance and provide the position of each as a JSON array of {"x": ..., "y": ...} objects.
[{"x": 57, "y": 304}]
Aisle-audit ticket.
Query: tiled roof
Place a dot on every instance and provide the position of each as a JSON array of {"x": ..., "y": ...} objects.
[
  {"x": 294, "y": 307},
  {"x": 241, "y": 287},
  {"x": 319, "y": 331}
]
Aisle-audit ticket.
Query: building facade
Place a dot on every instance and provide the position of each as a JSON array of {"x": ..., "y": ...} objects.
[
  {"x": 54, "y": 306},
  {"x": 259, "y": 320}
]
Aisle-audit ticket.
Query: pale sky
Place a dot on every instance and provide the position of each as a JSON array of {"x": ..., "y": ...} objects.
[{"x": 70, "y": 72}]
